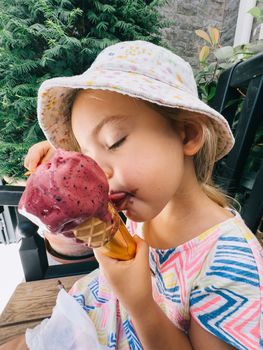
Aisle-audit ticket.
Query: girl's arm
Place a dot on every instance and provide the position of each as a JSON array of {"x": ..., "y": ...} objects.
[
  {"x": 201, "y": 339},
  {"x": 131, "y": 283},
  {"x": 156, "y": 331}
]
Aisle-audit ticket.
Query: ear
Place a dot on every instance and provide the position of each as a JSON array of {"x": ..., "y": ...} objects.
[{"x": 191, "y": 135}]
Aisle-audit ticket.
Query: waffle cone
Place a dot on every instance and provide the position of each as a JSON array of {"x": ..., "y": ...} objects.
[{"x": 112, "y": 238}]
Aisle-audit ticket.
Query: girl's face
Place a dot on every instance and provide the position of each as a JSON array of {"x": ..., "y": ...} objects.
[{"x": 136, "y": 147}]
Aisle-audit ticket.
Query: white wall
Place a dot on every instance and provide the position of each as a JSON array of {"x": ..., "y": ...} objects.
[{"x": 244, "y": 22}]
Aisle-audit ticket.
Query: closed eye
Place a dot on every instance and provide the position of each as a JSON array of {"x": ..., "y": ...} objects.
[{"x": 117, "y": 144}]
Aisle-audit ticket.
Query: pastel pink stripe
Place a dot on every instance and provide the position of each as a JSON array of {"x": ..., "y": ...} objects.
[{"x": 206, "y": 305}]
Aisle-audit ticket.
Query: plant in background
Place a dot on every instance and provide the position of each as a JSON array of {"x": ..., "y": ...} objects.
[
  {"x": 213, "y": 60},
  {"x": 257, "y": 12},
  {"x": 210, "y": 69},
  {"x": 40, "y": 39}
]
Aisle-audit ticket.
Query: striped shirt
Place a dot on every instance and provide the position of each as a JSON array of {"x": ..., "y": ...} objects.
[{"x": 215, "y": 278}]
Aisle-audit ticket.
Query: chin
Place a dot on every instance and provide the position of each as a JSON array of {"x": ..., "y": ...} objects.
[{"x": 137, "y": 216}]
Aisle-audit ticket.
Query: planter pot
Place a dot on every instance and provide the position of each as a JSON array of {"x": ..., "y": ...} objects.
[{"x": 66, "y": 250}]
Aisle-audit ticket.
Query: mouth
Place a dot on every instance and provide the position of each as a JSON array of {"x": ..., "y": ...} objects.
[{"x": 120, "y": 200}]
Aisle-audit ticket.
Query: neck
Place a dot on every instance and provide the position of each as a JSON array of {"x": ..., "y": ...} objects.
[{"x": 189, "y": 213}]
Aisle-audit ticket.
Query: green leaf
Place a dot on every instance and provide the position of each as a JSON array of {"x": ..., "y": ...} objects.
[
  {"x": 256, "y": 12},
  {"x": 102, "y": 26},
  {"x": 224, "y": 53},
  {"x": 211, "y": 93},
  {"x": 93, "y": 18}
]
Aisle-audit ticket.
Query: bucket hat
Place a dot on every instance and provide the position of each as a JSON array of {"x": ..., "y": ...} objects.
[{"x": 139, "y": 69}]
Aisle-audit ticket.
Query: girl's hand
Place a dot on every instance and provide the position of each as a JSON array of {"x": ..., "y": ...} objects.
[
  {"x": 130, "y": 280},
  {"x": 39, "y": 153}
]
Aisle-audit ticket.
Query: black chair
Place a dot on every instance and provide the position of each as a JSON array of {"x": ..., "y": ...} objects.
[
  {"x": 243, "y": 79},
  {"x": 247, "y": 76}
]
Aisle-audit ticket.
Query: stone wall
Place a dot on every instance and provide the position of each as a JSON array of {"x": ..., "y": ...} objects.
[
  {"x": 229, "y": 22},
  {"x": 190, "y": 15}
]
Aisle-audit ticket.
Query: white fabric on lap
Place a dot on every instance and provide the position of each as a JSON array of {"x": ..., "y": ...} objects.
[{"x": 69, "y": 328}]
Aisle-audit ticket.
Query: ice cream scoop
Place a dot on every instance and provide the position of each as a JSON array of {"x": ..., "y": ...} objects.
[{"x": 70, "y": 193}]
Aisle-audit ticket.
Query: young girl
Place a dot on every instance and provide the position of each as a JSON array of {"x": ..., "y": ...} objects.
[{"x": 136, "y": 112}]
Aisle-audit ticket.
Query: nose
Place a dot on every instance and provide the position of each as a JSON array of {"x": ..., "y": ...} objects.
[{"x": 103, "y": 163}]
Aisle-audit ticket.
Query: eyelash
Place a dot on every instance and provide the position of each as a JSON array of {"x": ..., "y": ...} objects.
[{"x": 117, "y": 144}]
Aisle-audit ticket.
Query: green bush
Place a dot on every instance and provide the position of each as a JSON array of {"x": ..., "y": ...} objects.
[{"x": 40, "y": 39}]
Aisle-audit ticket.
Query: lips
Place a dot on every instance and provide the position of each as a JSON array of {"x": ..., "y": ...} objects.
[{"x": 119, "y": 199}]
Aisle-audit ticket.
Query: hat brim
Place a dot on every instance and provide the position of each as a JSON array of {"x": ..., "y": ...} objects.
[{"x": 56, "y": 95}]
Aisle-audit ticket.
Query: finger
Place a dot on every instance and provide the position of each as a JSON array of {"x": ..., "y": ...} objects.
[
  {"x": 36, "y": 153},
  {"x": 47, "y": 156},
  {"x": 141, "y": 244},
  {"x": 31, "y": 161},
  {"x": 33, "y": 156},
  {"x": 102, "y": 258},
  {"x": 138, "y": 239},
  {"x": 27, "y": 159},
  {"x": 142, "y": 249}
]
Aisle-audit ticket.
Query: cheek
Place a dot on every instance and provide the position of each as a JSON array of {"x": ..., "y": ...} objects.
[
  {"x": 156, "y": 175},
  {"x": 154, "y": 165}
]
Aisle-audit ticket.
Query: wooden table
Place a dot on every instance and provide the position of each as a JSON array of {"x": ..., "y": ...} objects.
[{"x": 30, "y": 303}]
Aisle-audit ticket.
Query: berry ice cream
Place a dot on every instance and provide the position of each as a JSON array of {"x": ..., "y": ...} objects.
[
  {"x": 69, "y": 196},
  {"x": 66, "y": 191}
]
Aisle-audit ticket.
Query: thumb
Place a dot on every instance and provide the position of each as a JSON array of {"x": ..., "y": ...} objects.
[
  {"x": 47, "y": 156},
  {"x": 142, "y": 246},
  {"x": 137, "y": 238}
]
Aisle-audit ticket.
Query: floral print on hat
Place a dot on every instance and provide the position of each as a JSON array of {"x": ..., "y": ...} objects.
[{"x": 136, "y": 68}]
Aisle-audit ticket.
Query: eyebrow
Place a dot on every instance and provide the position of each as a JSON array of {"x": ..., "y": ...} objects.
[{"x": 113, "y": 119}]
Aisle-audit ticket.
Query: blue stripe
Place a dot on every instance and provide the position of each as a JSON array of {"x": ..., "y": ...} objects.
[
  {"x": 112, "y": 341},
  {"x": 232, "y": 239},
  {"x": 216, "y": 329},
  {"x": 235, "y": 248},
  {"x": 164, "y": 255},
  {"x": 94, "y": 288},
  {"x": 172, "y": 294},
  {"x": 233, "y": 254},
  {"x": 195, "y": 292},
  {"x": 88, "y": 308},
  {"x": 133, "y": 340},
  {"x": 219, "y": 334},
  {"x": 219, "y": 290},
  {"x": 195, "y": 300},
  {"x": 234, "y": 270},
  {"x": 233, "y": 278},
  {"x": 81, "y": 300},
  {"x": 237, "y": 263}
]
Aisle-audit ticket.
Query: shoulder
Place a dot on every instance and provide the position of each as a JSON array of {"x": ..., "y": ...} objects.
[
  {"x": 227, "y": 294},
  {"x": 235, "y": 258},
  {"x": 236, "y": 255}
]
